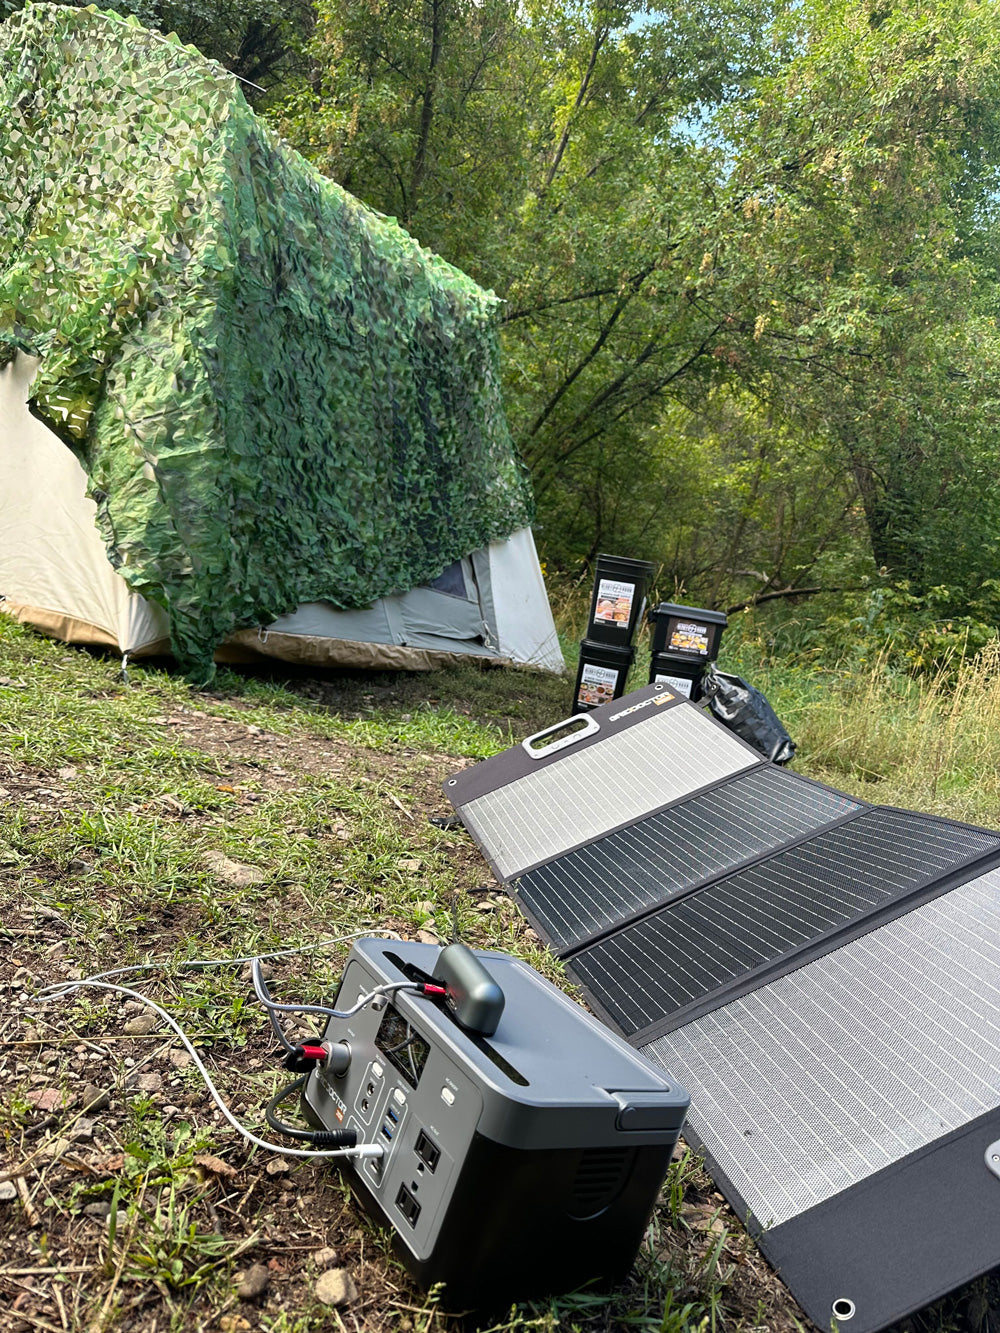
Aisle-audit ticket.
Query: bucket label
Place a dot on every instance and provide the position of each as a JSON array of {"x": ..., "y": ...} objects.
[
  {"x": 680, "y": 683},
  {"x": 597, "y": 685},
  {"x": 690, "y": 638},
  {"x": 614, "y": 603}
]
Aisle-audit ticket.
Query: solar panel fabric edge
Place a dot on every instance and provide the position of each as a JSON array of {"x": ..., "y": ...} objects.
[{"x": 861, "y": 1230}]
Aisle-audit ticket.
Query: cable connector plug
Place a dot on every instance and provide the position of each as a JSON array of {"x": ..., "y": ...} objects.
[{"x": 302, "y": 1059}]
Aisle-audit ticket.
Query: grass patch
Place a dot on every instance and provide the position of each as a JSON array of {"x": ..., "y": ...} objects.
[{"x": 120, "y": 798}]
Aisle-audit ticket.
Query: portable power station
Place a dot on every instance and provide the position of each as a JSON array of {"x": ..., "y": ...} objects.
[{"x": 523, "y": 1164}]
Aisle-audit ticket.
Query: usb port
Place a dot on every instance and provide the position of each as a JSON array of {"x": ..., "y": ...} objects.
[
  {"x": 392, "y": 1115},
  {"x": 408, "y": 1205},
  {"x": 388, "y": 1131},
  {"x": 427, "y": 1150}
]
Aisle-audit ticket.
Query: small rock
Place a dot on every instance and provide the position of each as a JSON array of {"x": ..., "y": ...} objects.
[
  {"x": 95, "y": 1098},
  {"x": 8, "y": 1191},
  {"x": 336, "y": 1287},
  {"x": 82, "y": 1130},
  {"x": 151, "y": 1081},
  {"x": 101, "y": 1210},
  {"x": 179, "y": 1059},
  {"x": 79, "y": 867},
  {"x": 233, "y": 873},
  {"x": 48, "y": 914},
  {"x": 253, "y": 1283},
  {"x": 67, "y": 774},
  {"x": 216, "y": 1167},
  {"x": 278, "y": 1166},
  {"x": 233, "y": 1323},
  {"x": 48, "y": 1099},
  {"x": 408, "y": 863},
  {"x": 427, "y": 937},
  {"x": 327, "y": 1258},
  {"x": 141, "y": 1025},
  {"x": 55, "y": 1148}
]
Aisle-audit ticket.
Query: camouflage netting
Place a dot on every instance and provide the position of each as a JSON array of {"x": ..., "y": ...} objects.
[{"x": 278, "y": 396}]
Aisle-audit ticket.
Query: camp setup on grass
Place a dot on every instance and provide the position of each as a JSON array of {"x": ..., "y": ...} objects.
[{"x": 241, "y": 415}]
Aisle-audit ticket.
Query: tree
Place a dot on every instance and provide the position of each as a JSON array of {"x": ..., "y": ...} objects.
[{"x": 854, "y": 266}]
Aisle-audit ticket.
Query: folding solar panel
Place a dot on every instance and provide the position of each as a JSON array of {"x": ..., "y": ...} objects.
[{"x": 822, "y": 974}]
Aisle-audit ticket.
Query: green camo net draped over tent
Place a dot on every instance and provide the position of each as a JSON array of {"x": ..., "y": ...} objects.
[{"x": 278, "y": 396}]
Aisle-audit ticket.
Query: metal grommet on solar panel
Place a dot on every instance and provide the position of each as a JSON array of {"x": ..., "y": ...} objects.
[
  {"x": 843, "y": 1309},
  {"x": 453, "y": 782},
  {"x": 993, "y": 1157}
]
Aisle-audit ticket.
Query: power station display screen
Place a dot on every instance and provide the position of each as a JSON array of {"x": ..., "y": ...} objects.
[{"x": 402, "y": 1046}]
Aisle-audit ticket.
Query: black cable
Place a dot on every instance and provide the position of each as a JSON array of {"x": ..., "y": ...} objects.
[{"x": 323, "y": 1138}]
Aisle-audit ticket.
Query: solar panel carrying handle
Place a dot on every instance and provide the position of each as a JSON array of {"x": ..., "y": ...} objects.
[{"x": 581, "y": 725}]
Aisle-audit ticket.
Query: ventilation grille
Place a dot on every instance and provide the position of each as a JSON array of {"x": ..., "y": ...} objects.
[
  {"x": 816, "y": 1081},
  {"x": 602, "y": 787},
  {"x": 600, "y": 1176},
  {"x": 594, "y": 887},
  {"x": 685, "y": 951}
]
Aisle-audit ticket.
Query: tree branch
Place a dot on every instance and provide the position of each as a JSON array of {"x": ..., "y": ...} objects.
[{"x": 787, "y": 592}]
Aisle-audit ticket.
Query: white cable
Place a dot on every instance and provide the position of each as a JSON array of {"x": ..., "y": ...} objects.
[
  {"x": 64, "y": 988},
  {"x": 231, "y": 962}
]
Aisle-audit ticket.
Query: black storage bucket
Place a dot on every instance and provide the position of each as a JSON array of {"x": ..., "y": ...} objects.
[
  {"x": 618, "y": 599},
  {"x": 683, "y": 678},
  {"x": 687, "y": 632},
  {"x": 601, "y": 675}
]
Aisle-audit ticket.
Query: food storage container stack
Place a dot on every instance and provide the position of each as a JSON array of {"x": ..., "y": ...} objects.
[
  {"x": 616, "y": 608},
  {"x": 685, "y": 640}
]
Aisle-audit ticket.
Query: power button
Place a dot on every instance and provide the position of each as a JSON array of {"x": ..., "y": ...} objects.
[{"x": 447, "y": 1096}]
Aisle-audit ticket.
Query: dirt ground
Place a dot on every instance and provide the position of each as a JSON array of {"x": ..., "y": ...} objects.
[{"x": 113, "y": 1212}]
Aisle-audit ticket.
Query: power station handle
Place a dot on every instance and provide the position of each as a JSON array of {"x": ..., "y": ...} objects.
[
  {"x": 651, "y": 1109},
  {"x": 564, "y": 733}
]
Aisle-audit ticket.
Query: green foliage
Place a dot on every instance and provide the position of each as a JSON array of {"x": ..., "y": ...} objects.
[
  {"x": 549, "y": 151},
  {"x": 279, "y": 396},
  {"x": 853, "y": 267},
  {"x": 690, "y": 208},
  {"x": 260, "y": 41},
  {"x": 935, "y": 632}
]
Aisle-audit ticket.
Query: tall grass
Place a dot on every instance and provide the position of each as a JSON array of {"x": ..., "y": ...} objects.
[{"x": 930, "y": 741}]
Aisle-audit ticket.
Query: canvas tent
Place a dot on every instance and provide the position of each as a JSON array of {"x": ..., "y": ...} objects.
[
  {"x": 55, "y": 575},
  {"x": 240, "y": 414}
]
